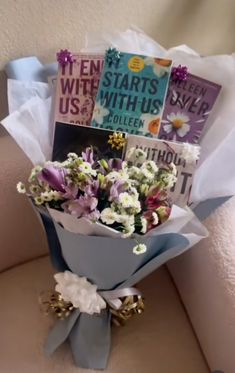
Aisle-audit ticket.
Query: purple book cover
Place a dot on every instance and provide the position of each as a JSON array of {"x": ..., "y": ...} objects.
[{"x": 187, "y": 107}]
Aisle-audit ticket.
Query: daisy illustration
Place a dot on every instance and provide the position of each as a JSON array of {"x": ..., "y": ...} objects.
[
  {"x": 151, "y": 123},
  {"x": 178, "y": 123},
  {"x": 99, "y": 113},
  {"x": 160, "y": 66}
]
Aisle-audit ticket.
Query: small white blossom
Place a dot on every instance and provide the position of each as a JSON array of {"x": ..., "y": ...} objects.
[
  {"x": 108, "y": 216},
  {"x": 20, "y": 188},
  {"x": 80, "y": 292},
  {"x": 136, "y": 156},
  {"x": 125, "y": 219},
  {"x": 139, "y": 249},
  {"x": 128, "y": 230},
  {"x": 72, "y": 156},
  {"x": 38, "y": 200},
  {"x": 34, "y": 189},
  {"x": 144, "y": 225},
  {"x": 34, "y": 172},
  {"x": 151, "y": 166},
  {"x": 170, "y": 180},
  {"x": 128, "y": 200},
  {"x": 86, "y": 168},
  {"x": 147, "y": 174},
  {"x": 173, "y": 169},
  {"x": 190, "y": 152},
  {"x": 117, "y": 175}
]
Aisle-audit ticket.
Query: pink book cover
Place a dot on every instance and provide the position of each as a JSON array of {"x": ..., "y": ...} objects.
[{"x": 76, "y": 88}]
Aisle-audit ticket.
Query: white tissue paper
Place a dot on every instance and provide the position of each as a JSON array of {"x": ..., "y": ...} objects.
[
  {"x": 19, "y": 92},
  {"x": 31, "y": 129}
]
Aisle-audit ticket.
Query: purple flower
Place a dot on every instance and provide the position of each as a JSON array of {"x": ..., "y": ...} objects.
[
  {"x": 87, "y": 156},
  {"x": 64, "y": 57},
  {"x": 71, "y": 191},
  {"x": 84, "y": 206},
  {"x": 116, "y": 189},
  {"x": 92, "y": 188},
  {"x": 115, "y": 164},
  {"x": 179, "y": 73},
  {"x": 55, "y": 177}
]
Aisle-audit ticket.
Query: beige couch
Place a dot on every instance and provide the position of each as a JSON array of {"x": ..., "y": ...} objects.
[{"x": 162, "y": 340}]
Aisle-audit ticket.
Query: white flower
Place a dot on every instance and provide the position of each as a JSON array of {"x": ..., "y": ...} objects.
[
  {"x": 134, "y": 172},
  {"x": 117, "y": 175},
  {"x": 20, "y": 187},
  {"x": 139, "y": 249},
  {"x": 177, "y": 122},
  {"x": 99, "y": 113},
  {"x": 128, "y": 230},
  {"x": 34, "y": 189},
  {"x": 147, "y": 174},
  {"x": 127, "y": 201},
  {"x": 190, "y": 152},
  {"x": 34, "y": 172},
  {"x": 173, "y": 169},
  {"x": 144, "y": 225},
  {"x": 80, "y": 292},
  {"x": 38, "y": 200},
  {"x": 158, "y": 68},
  {"x": 170, "y": 180},
  {"x": 151, "y": 123},
  {"x": 108, "y": 216},
  {"x": 125, "y": 219},
  {"x": 86, "y": 168},
  {"x": 136, "y": 155},
  {"x": 72, "y": 156},
  {"x": 155, "y": 218}
]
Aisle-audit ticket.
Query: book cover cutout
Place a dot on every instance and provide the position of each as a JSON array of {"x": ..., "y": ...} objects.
[
  {"x": 75, "y": 139},
  {"x": 164, "y": 152},
  {"x": 131, "y": 94},
  {"x": 76, "y": 89},
  {"x": 188, "y": 105}
]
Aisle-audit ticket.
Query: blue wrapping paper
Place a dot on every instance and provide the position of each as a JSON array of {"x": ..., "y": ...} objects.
[{"x": 110, "y": 264}]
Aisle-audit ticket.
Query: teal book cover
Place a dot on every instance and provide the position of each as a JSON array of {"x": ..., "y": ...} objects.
[{"x": 131, "y": 93}]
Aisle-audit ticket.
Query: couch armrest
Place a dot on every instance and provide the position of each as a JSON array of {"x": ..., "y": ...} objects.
[
  {"x": 205, "y": 277},
  {"x": 22, "y": 237}
]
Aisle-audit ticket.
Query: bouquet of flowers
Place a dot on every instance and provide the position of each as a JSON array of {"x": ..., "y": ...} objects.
[{"x": 110, "y": 221}]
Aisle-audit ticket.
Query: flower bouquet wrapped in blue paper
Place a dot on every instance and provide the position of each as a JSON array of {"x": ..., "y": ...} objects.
[{"x": 109, "y": 224}]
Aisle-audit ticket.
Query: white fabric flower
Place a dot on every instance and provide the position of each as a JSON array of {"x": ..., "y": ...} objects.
[
  {"x": 190, "y": 152},
  {"x": 139, "y": 249},
  {"x": 177, "y": 122},
  {"x": 99, "y": 113},
  {"x": 80, "y": 292}
]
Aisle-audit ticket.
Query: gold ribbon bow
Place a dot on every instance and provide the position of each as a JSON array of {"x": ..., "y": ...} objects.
[{"x": 123, "y": 304}]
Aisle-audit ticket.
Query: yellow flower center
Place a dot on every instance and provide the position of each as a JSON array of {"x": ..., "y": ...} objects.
[{"x": 177, "y": 123}]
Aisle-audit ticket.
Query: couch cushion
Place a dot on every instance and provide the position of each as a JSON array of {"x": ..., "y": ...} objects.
[
  {"x": 160, "y": 341},
  {"x": 17, "y": 218}
]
